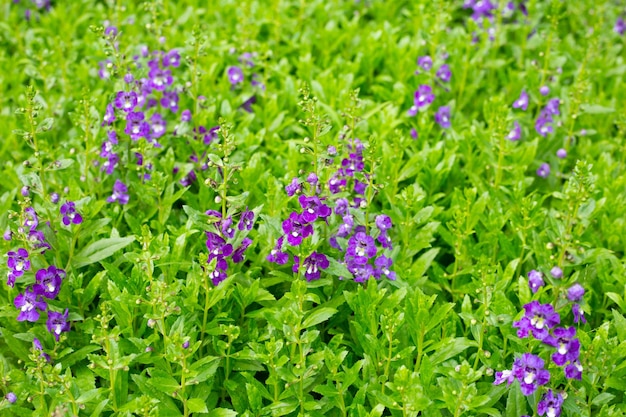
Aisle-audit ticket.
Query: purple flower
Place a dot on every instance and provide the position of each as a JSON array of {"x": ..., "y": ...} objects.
[
  {"x": 382, "y": 268},
  {"x": 423, "y": 96},
  {"x": 345, "y": 228},
  {"x": 30, "y": 218},
  {"x": 354, "y": 163},
  {"x": 38, "y": 240},
  {"x": 504, "y": 376},
  {"x": 171, "y": 59},
  {"x": 109, "y": 115},
  {"x": 246, "y": 58},
  {"x": 385, "y": 240},
  {"x": 574, "y": 371},
  {"x": 530, "y": 373},
  {"x": 247, "y": 105},
  {"x": 425, "y": 62},
  {"x": 57, "y": 323},
  {"x": 246, "y": 220},
  {"x": 219, "y": 273},
  {"x": 39, "y": 349},
  {"x": 361, "y": 273},
  {"x": 336, "y": 184},
  {"x": 235, "y": 75},
  {"x": 70, "y": 215},
  {"x": 136, "y": 126},
  {"x": 543, "y": 171},
  {"x": 126, "y": 101},
  {"x": 575, "y": 292},
  {"x": 566, "y": 344},
  {"x": 256, "y": 82},
  {"x": 18, "y": 262},
  {"x": 538, "y": 319},
  {"x": 312, "y": 265},
  {"x": 170, "y": 101},
  {"x": 556, "y": 272},
  {"x": 620, "y": 26},
  {"x": 276, "y": 255},
  {"x": 160, "y": 79},
  {"x": 227, "y": 227},
  {"x": 238, "y": 254},
  {"x": 561, "y": 153},
  {"x": 341, "y": 206},
  {"x": 120, "y": 193},
  {"x": 28, "y": 303},
  {"x": 185, "y": 116},
  {"x": 103, "y": 71},
  {"x": 414, "y": 133},
  {"x": 128, "y": 78},
  {"x": 550, "y": 404},
  {"x": 361, "y": 247},
  {"x": 579, "y": 314},
  {"x": 296, "y": 229},
  {"x": 217, "y": 246},
  {"x": 544, "y": 90},
  {"x": 442, "y": 117},
  {"x": 49, "y": 281},
  {"x": 535, "y": 281},
  {"x": 8, "y": 235},
  {"x": 157, "y": 126},
  {"x": 383, "y": 222},
  {"x": 444, "y": 73},
  {"x": 516, "y": 133},
  {"x": 11, "y": 397},
  {"x": 522, "y": 101},
  {"x": 312, "y": 208},
  {"x": 293, "y": 187},
  {"x": 552, "y": 107}
]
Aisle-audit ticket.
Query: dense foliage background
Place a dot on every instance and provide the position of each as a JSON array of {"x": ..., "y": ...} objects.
[{"x": 284, "y": 207}]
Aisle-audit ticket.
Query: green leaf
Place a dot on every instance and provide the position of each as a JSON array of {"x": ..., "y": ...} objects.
[
  {"x": 196, "y": 405},
  {"x": 515, "y": 403},
  {"x": 222, "y": 412},
  {"x": 603, "y": 398},
  {"x": 163, "y": 381},
  {"x": 318, "y": 315},
  {"x": 100, "y": 250},
  {"x": 448, "y": 348},
  {"x": 596, "y": 109}
]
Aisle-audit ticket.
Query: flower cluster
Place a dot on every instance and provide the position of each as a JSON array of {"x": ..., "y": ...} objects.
[
  {"x": 544, "y": 124},
  {"x": 139, "y": 112},
  {"x": 236, "y": 77},
  {"x": 544, "y": 323},
  {"x": 225, "y": 236},
  {"x": 424, "y": 96},
  {"x": 338, "y": 211},
  {"x": 484, "y": 14}
]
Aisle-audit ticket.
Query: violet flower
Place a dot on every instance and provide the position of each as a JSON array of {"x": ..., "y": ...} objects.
[
  {"x": 529, "y": 371},
  {"x": 120, "y": 193},
  {"x": 296, "y": 229},
  {"x": 28, "y": 303},
  {"x": 235, "y": 75},
  {"x": 544, "y": 170},
  {"x": 535, "y": 281},
  {"x": 18, "y": 262},
  {"x": 522, "y": 101},
  {"x": 70, "y": 215},
  {"x": 361, "y": 248},
  {"x": 423, "y": 96},
  {"x": 49, "y": 282},
  {"x": 550, "y": 404},
  {"x": 57, "y": 323},
  {"x": 313, "y": 208},
  {"x": 246, "y": 220},
  {"x": 312, "y": 265},
  {"x": 538, "y": 319},
  {"x": 239, "y": 253},
  {"x": 425, "y": 62},
  {"x": 568, "y": 347},
  {"x": 126, "y": 101},
  {"x": 442, "y": 117},
  {"x": 516, "y": 133},
  {"x": 444, "y": 73},
  {"x": 575, "y": 292}
]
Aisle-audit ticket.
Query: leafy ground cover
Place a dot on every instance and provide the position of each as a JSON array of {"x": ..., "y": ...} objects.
[{"x": 324, "y": 208}]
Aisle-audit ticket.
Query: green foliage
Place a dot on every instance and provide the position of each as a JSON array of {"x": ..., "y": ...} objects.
[{"x": 154, "y": 333}]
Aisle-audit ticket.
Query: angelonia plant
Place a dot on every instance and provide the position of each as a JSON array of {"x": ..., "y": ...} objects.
[{"x": 321, "y": 208}]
